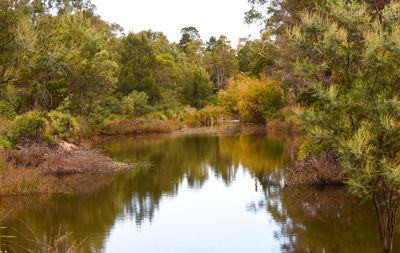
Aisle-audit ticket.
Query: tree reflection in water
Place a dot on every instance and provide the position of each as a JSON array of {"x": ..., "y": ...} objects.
[{"x": 310, "y": 219}]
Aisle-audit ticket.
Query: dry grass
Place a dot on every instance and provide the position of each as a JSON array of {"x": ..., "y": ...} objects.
[
  {"x": 138, "y": 126},
  {"x": 324, "y": 170},
  {"x": 37, "y": 168}
]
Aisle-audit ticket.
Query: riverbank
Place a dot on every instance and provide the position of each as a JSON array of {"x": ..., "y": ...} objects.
[
  {"x": 37, "y": 149},
  {"x": 38, "y": 168}
]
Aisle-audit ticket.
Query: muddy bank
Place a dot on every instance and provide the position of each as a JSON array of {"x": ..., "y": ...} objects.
[{"x": 40, "y": 168}]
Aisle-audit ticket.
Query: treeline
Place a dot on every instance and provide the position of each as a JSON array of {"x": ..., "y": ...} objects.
[{"x": 61, "y": 56}]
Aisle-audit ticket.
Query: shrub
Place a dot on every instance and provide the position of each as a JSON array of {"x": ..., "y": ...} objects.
[
  {"x": 64, "y": 125},
  {"x": 309, "y": 149},
  {"x": 253, "y": 100},
  {"x": 7, "y": 111},
  {"x": 229, "y": 100},
  {"x": 209, "y": 114},
  {"x": 321, "y": 169},
  {"x": 32, "y": 125},
  {"x": 135, "y": 104},
  {"x": 4, "y": 143},
  {"x": 42, "y": 126},
  {"x": 260, "y": 100},
  {"x": 5, "y": 126}
]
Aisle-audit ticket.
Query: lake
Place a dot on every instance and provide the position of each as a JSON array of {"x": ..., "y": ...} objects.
[{"x": 204, "y": 192}]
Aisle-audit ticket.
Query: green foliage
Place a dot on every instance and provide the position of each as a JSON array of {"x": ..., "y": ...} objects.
[
  {"x": 42, "y": 126},
  {"x": 259, "y": 66},
  {"x": 309, "y": 149},
  {"x": 253, "y": 100},
  {"x": 352, "y": 104},
  {"x": 7, "y": 111},
  {"x": 229, "y": 99},
  {"x": 11, "y": 49},
  {"x": 211, "y": 44},
  {"x": 222, "y": 62},
  {"x": 58, "y": 92},
  {"x": 64, "y": 124},
  {"x": 196, "y": 86},
  {"x": 209, "y": 114},
  {"x": 61, "y": 56},
  {"x": 138, "y": 61},
  {"x": 245, "y": 58},
  {"x": 135, "y": 104},
  {"x": 4, "y": 143},
  {"x": 189, "y": 34},
  {"x": 32, "y": 125}
]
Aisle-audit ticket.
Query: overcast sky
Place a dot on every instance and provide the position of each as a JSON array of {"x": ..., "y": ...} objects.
[{"x": 210, "y": 17}]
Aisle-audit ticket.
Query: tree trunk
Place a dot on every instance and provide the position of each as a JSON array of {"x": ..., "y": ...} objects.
[{"x": 387, "y": 221}]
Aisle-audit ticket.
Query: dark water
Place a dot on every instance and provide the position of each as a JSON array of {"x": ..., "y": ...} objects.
[{"x": 204, "y": 193}]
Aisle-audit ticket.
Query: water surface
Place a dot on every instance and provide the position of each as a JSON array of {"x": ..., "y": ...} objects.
[{"x": 218, "y": 192}]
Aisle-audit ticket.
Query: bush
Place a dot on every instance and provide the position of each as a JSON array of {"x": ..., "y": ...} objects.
[
  {"x": 7, "y": 111},
  {"x": 135, "y": 104},
  {"x": 260, "y": 100},
  {"x": 209, "y": 115},
  {"x": 4, "y": 143},
  {"x": 322, "y": 169},
  {"x": 64, "y": 124},
  {"x": 309, "y": 149},
  {"x": 31, "y": 125},
  {"x": 42, "y": 126},
  {"x": 253, "y": 100},
  {"x": 229, "y": 100},
  {"x": 5, "y": 126}
]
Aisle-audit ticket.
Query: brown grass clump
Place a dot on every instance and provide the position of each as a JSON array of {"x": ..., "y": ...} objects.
[
  {"x": 35, "y": 168},
  {"x": 138, "y": 126},
  {"x": 323, "y": 170},
  {"x": 76, "y": 162}
]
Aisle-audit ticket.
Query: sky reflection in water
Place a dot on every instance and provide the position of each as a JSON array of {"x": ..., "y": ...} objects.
[{"x": 204, "y": 193}]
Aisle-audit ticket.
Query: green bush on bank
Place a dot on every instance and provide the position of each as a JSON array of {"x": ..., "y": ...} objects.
[
  {"x": 37, "y": 126},
  {"x": 135, "y": 104},
  {"x": 7, "y": 111},
  {"x": 33, "y": 125},
  {"x": 5, "y": 126},
  {"x": 252, "y": 100},
  {"x": 64, "y": 124},
  {"x": 208, "y": 115}
]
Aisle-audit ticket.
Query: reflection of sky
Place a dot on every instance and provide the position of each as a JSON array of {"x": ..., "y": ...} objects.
[{"x": 211, "y": 219}]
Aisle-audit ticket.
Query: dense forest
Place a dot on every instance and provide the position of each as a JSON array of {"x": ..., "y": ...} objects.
[
  {"x": 327, "y": 67},
  {"x": 65, "y": 67}
]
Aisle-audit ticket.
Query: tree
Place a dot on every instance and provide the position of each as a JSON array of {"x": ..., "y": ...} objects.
[
  {"x": 277, "y": 15},
  {"x": 222, "y": 62},
  {"x": 188, "y": 34},
  {"x": 138, "y": 62},
  {"x": 211, "y": 43},
  {"x": 196, "y": 88},
  {"x": 68, "y": 6},
  {"x": 195, "y": 52},
  {"x": 352, "y": 105},
  {"x": 10, "y": 47}
]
